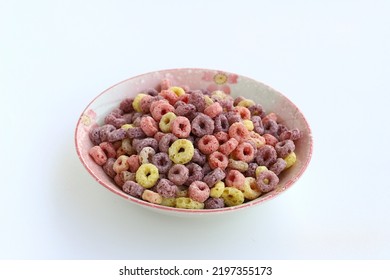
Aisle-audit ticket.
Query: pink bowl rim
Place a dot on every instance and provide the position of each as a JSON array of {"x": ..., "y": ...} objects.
[{"x": 146, "y": 204}]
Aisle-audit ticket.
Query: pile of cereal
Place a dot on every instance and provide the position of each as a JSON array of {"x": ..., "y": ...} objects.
[{"x": 193, "y": 149}]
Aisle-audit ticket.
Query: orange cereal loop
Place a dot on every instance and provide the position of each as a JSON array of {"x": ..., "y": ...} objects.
[
  {"x": 218, "y": 160},
  {"x": 228, "y": 147},
  {"x": 238, "y": 131},
  {"x": 244, "y": 152},
  {"x": 244, "y": 112},
  {"x": 169, "y": 95},
  {"x": 208, "y": 144},
  {"x": 161, "y": 109},
  {"x": 181, "y": 127},
  {"x": 270, "y": 139},
  {"x": 270, "y": 116},
  {"x": 213, "y": 110},
  {"x": 149, "y": 126},
  {"x": 165, "y": 84}
]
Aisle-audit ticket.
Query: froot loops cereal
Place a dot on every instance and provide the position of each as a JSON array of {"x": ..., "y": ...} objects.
[{"x": 193, "y": 149}]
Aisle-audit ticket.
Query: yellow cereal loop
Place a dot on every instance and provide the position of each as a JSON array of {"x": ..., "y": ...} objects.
[
  {"x": 246, "y": 103},
  {"x": 290, "y": 159},
  {"x": 168, "y": 201},
  {"x": 260, "y": 169},
  {"x": 178, "y": 91},
  {"x": 257, "y": 139},
  {"x": 188, "y": 203},
  {"x": 147, "y": 175},
  {"x": 217, "y": 190},
  {"x": 137, "y": 102},
  {"x": 208, "y": 100},
  {"x": 182, "y": 193},
  {"x": 248, "y": 124},
  {"x": 232, "y": 196},
  {"x": 250, "y": 189},
  {"x": 219, "y": 94},
  {"x": 152, "y": 197},
  {"x": 181, "y": 151},
  {"x": 166, "y": 122},
  {"x": 127, "y": 126}
]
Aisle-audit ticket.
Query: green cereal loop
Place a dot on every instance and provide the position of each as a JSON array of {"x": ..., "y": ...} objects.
[
  {"x": 181, "y": 151},
  {"x": 232, "y": 196},
  {"x": 147, "y": 175},
  {"x": 188, "y": 203}
]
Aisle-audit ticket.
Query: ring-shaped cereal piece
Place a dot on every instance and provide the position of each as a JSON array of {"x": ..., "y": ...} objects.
[
  {"x": 235, "y": 179},
  {"x": 217, "y": 189},
  {"x": 244, "y": 152},
  {"x": 188, "y": 203},
  {"x": 121, "y": 164},
  {"x": 169, "y": 95},
  {"x": 284, "y": 148},
  {"x": 181, "y": 151},
  {"x": 244, "y": 112},
  {"x": 202, "y": 125},
  {"x": 208, "y": 144},
  {"x": 152, "y": 197},
  {"x": 181, "y": 127},
  {"x": 290, "y": 159},
  {"x": 149, "y": 126},
  {"x": 98, "y": 155},
  {"x": 166, "y": 122},
  {"x": 179, "y": 91},
  {"x": 267, "y": 181},
  {"x": 238, "y": 131},
  {"x": 147, "y": 175},
  {"x": 251, "y": 190},
  {"x": 199, "y": 191},
  {"x": 137, "y": 102},
  {"x": 232, "y": 196},
  {"x": 160, "y": 108},
  {"x": 214, "y": 203},
  {"x": 218, "y": 160}
]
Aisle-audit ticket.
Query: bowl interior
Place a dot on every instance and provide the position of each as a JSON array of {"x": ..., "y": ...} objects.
[{"x": 234, "y": 84}]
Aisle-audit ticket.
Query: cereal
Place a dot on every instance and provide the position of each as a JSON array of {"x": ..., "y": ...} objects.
[
  {"x": 98, "y": 155},
  {"x": 214, "y": 203},
  {"x": 251, "y": 190},
  {"x": 217, "y": 189},
  {"x": 166, "y": 188},
  {"x": 244, "y": 152},
  {"x": 232, "y": 196},
  {"x": 121, "y": 164},
  {"x": 202, "y": 125},
  {"x": 218, "y": 160},
  {"x": 208, "y": 144},
  {"x": 290, "y": 159},
  {"x": 178, "y": 174},
  {"x": 162, "y": 162},
  {"x": 188, "y": 203},
  {"x": 152, "y": 197},
  {"x": 147, "y": 175},
  {"x": 284, "y": 148},
  {"x": 198, "y": 191},
  {"x": 166, "y": 122},
  {"x": 266, "y": 155},
  {"x": 181, "y": 127},
  {"x": 235, "y": 179},
  {"x": 149, "y": 126},
  {"x": 133, "y": 189},
  {"x": 267, "y": 181},
  {"x": 181, "y": 151},
  {"x": 193, "y": 149}
]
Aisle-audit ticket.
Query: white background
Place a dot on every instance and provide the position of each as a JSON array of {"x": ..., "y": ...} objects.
[{"x": 331, "y": 58}]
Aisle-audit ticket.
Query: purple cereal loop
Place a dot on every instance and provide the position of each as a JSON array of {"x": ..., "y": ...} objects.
[
  {"x": 278, "y": 166},
  {"x": 178, "y": 174},
  {"x": 196, "y": 98},
  {"x": 198, "y": 157},
  {"x": 206, "y": 168},
  {"x": 126, "y": 105},
  {"x": 133, "y": 189},
  {"x": 147, "y": 142},
  {"x": 258, "y": 126},
  {"x": 266, "y": 155},
  {"x": 194, "y": 173},
  {"x": 117, "y": 135},
  {"x": 251, "y": 171},
  {"x": 282, "y": 128},
  {"x": 214, "y": 203},
  {"x": 202, "y": 125},
  {"x": 227, "y": 104},
  {"x": 257, "y": 110},
  {"x": 135, "y": 132},
  {"x": 94, "y": 135},
  {"x": 108, "y": 167},
  {"x": 271, "y": 127},
  {"x": 213, "y": 177},
  {"x": 269, "y": 184},
  {"x": 221, "y": 123},
  {"x": 166, "y": 141},
  {"x": 128, "y": 117},
  {"x": 162, "y": 162},
  {"x": 166, "y": 188},
  {"x": 233, "y": 117},
  {"x": 285, "y": 147},
  {"x": 184, "y": 109},
  {"x": 293, "y": 134},
  {"x": 105, "y": 130},
  {"x": 114, "y": 120},
  {"x": 151, "y": 92}
]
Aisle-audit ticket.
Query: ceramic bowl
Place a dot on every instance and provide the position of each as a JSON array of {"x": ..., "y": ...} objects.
[{"x": 236, "y": 85}]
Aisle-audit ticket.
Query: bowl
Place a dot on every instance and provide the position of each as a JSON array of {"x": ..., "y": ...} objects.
[{"x": 234, "y": 84}]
